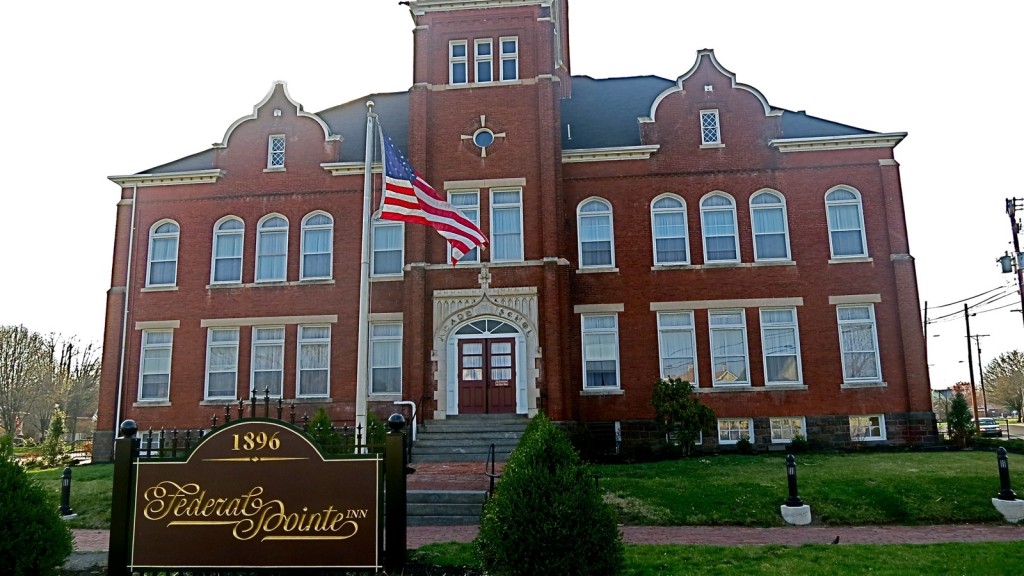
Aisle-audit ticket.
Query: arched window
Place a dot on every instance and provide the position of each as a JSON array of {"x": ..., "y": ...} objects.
[
  {"x": 845, "y": 223},
  {"x": 594, "y": 222},
  {"x": 718, "y": 222},
  {"x": 272, "y": 249},
  {"x": 228, "y": 236},
  {"x": 668, "y": 223},
  {"x": 771, "y": 229},
  {"x": 162, "y": 268},
  {"x": 317, "y": 242}
]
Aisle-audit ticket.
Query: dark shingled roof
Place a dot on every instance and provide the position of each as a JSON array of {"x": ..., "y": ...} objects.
[{"x": 600, "y": 114}]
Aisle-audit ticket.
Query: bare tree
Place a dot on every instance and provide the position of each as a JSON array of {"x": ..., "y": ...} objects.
[
  {"x": 22, "y": 368},
  {"x": 70, "y": 381},
  {"x": 1004, "y": 381}
]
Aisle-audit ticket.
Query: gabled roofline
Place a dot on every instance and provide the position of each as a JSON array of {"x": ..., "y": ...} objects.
[
  {"x": 168, "y": 178},
  {"x": 298, "y": 112},
  {"x": 608, "y": 154},
  {"x": 890, "y": 140}
]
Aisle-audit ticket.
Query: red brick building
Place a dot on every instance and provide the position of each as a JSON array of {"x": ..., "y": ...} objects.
[{"x": 639, "y": 227}]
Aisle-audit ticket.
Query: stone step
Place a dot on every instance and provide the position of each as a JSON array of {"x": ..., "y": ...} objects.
[
  {"x": 444, "y": 507},
  {"x": 457, "y": 457}
]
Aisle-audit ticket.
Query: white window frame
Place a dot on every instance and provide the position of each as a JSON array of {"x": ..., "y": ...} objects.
[
  {"x": 218, "y": 236},
  {"x": 211, "y": 345},
  {"x": 767, "y": 325},
  {"x": 843, "y": 346},
  {"x": 277, "y": 343},
  {"x": 863, "y": 422},
  {"x": 145, "y": 361},
  {"x": 754, "y": 209},
  {"x": 714, "y": 329},
  {"x": 733, "y": 426},
  {"x": 608, "y": 214},
  {"x": 481, "y": 59},
  {"x": 509, "y": 57},
  {"x": 716, "y": 125},
  {"x": 664, "y": 329},
  {"x": 302, "y": 341},
  {"x": 669, "y": 211},
  {"x": 516, "y": 207},
  {"x": 456, "y": 61},
  {"x": 782, "y": 425},
  {"x": 154, "y": 237},
  {"x": 378, "y": 364},
  {"x": 377, "y": 225},
  {"x": 588, "y": 333},
  {"x": 731, "y": 209},
  {"x": 856, "y": 202},
  {"x": 455, "y": 199},
  {"x": 260, "y": 233},
  {"x": 306, "y": 250},
  {"x": 276, "y": 151}
]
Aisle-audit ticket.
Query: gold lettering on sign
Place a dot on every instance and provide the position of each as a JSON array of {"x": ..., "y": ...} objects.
[{"x": 250, "y": 514}]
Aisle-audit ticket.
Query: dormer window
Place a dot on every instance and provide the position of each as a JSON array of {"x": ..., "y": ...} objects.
[
  {"x": 710, "y": 130},
  {"x": 458, "y": 60},
  {"x": 275, "y": 152}
]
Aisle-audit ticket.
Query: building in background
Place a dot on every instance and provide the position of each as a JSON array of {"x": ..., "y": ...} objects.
[{"x": 638, "y": 228}]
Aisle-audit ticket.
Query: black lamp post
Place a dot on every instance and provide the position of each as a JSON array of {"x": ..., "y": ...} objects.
[
  {"x": 1005, "y": 493},
  {"x": 793, "y": 500}
]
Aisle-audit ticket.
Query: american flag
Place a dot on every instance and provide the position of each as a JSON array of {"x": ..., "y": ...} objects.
[{"x": 409, "y": 198}]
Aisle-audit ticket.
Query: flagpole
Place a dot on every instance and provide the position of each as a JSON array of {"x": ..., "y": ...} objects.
[{"x": 362, "y": 388}]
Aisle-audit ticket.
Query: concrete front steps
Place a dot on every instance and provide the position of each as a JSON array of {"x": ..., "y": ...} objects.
[
  {"x": 468, "y": 438},
  {"x": 444, "y": 507}
]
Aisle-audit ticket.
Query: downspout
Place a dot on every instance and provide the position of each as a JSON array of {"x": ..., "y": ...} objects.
[{"x": 124, "y": 313}]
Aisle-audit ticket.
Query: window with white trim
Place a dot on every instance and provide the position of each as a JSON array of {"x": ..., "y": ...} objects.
[
  {"x": 467, "y": 202},
  {"x": 509, "y": 58},
  {"x": 386, "y": 358},
  {"x": 228, "y": 239},
  {"x": 780, "y": 344},
  {"x": 388, "y": 257},
  {"x": 458, "y": 62},
  {"x": 845, "y": 223},
  {"x": 317, "y": 247},
  {"x": 858, "y": 343},
  {"x": 155, "y": 369},
  {"x": 596, "y": 234},
  {"x": 677, "y": 345},
  {"x": 600, "y": 351},
  {"x": 668, "y": 224},
  {"x": 275, "y": 152},
  {"x": 729, "y": 362},
  {"x": 506, "y": 225},
  {"x": 314, "y": 360},
  {"x": 162, "y": 268},
  {"x": 710, "y": 131},
  {"x": 731, "y": 430},
  {"x": 784, "y": 430},
  {"x": 268, "y": 359},
  {"x": 483, "y": 60},
  {"x": 718, "y": 224},
  {"x": 221, "y": 364},
  {"x": 769, "y": 223},
  {"x": 272, "y": 249},
  {"x": 867, "y": 427}
]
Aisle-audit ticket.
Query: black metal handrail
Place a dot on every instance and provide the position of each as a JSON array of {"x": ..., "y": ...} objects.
[{"x": 494, "y": 476}]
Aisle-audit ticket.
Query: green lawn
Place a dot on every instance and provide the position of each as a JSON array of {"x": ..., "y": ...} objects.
[{"x": 90, "y": 492}]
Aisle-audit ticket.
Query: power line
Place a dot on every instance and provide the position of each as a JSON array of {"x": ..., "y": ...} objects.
[{"x": 969, "y": 298}]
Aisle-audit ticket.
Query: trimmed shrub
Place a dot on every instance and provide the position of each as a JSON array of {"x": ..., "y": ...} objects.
[
  {"x": 55, "y": 448},
  {"x": 547, "y": 515},
  {"x": 960, "y": 422},
  {"x": 35, "y": 541},
  {"x": 679, "y": 413},
  {"x": 743, "y": 446}
]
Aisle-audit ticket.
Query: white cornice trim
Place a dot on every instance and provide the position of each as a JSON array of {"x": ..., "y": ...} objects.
[
  {"x": 168, "y": 178},
  {"x": 609, "y": 154},
  {"x": 889, "y": 140},
  {"x": 349, "y": 168},
  {"x": 421, "y": 7}
]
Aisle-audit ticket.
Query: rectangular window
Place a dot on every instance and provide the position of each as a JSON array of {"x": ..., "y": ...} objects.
[
  {"x": 509, "y": 59},
  {"x": 865, "y": 428},
  {"x": 506, "y": 225},
  {"x": 457, "y": 62},
  {"x": 468, "y": 203},
  {"x": 858, "y": 342},
  {"x": 600, "y": 351},
  {"x": 780, "y": 342},
  {"x": 314, "y": 361},
  {"x": 709, "y": 129},
  {"x": 222, "y": 363},
  {"x": 677, "y": 346},
  {"x": 388, "y": 248},
  {"x": 785, "y": 429},
  {"x": 484, "y": 60},
  {"x": 730, "y": 430},
  {"x": 268, "y": 359},
  {"x": 386, "y": 358},
  {"x": 728, "y": 346},
  {"x": 155, "y": 373},
  {"x": 275, "y": 151}
]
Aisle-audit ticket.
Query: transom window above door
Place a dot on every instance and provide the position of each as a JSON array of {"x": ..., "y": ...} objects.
[{"x": 486, "y": 327}]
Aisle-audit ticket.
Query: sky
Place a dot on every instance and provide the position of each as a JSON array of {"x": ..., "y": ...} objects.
[{"x": 116, "y": 87}]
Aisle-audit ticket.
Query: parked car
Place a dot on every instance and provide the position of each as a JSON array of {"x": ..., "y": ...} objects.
[{"x": 989, "y": 427}]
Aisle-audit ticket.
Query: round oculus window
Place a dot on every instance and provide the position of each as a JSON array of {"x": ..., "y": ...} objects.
[{"x": 483, "y": 138}]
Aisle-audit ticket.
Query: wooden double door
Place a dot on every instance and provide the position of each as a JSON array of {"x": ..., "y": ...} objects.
[{"x": 487, "y": 376}]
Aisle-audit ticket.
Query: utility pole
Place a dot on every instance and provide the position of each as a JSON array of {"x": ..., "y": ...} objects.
[
  {"x": 970, "y": 367},
  {"x": 981, "y": 370},
  {"x": 1011, "y": 210}
]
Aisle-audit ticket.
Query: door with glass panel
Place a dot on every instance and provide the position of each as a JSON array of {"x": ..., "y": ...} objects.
[{"x": 487, "y": 378}]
